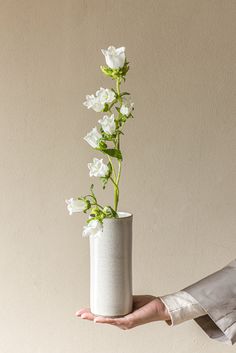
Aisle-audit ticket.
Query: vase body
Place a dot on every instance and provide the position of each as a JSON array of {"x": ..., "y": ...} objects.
[{"x": 111, "y": 268}]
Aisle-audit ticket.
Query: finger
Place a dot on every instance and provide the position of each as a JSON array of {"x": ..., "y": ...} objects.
[
  {"x": 81, "y": 311},
  {"x": 85, "y": 314},
  {"x": 104, "y": 320},
  {"x": 121, "y": 323}
]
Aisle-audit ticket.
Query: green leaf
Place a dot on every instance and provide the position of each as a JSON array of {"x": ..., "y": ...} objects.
[
  {"x": 120, "y": 132},
  {"x": 124, "y": 69},
  {"x": 106, "y": 70},
  {"x": 102, "y": 145},
  {"x": 116, "y": 73},
  {"x": 109, "y": 169},
  {"x": 113, "y": 152},
  {"x": 114, "y": 92}
]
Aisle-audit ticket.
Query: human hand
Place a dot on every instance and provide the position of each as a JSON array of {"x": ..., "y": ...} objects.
[{"x": 146, "y": 308}]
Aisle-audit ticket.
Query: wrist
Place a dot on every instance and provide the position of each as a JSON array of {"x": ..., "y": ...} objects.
[{"x": 163, "y": 313}]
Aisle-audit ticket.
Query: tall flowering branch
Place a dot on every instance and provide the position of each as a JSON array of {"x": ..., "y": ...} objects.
[{"x": 106, "y": 139}]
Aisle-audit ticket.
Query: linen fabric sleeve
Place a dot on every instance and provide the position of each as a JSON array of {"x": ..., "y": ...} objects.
[
  {"x": 181, "y": 307},
  {"x": 216, "y": 294}
]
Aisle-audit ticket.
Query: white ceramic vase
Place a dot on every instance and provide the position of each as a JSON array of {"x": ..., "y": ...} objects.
[{"x": 111, "y": 268}]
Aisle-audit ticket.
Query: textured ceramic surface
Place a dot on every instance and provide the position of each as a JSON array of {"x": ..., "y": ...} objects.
[{"x": 111, "y": 268}]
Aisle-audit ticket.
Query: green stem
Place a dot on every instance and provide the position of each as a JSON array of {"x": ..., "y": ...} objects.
[
  {"x": 116, "y": 198},
  {"x": 92, "y": 197},
  {"x": 119, "y": 173},
  {"x": 118, "y": 86},
  {"x": 113, "y": 181},
  {"x": 99, "y": 206},
  {"x": 112, "y": 166},
  {"x": 116, "y": 193},
  {"x": 117, "y": 146},
  {"x": 115, "y": 101}
]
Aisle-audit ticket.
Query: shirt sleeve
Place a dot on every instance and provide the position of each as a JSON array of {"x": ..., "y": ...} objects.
[
  {"x": 182, "y": 307},
  {"x": 216, "y": 293}
]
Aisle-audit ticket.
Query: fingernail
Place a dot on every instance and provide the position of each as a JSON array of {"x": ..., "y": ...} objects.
[{"x": 83, "y": 316}]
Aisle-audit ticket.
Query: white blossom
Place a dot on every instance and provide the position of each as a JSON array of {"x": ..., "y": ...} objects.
[
  {"x": 97, "y": 102},
  {"x": 108, "y": 124},
  {"x": 115, "y": 58},
  {"x": 127, "y": 106},
  {"x": 97, "y": 168},
  {"x": 93, "y": 228},
  {"x": 93, "y": 137},
  {"x": 75, "y": 205},
  {"x": 94, "y": 103},
  {"x": 105, "y": 95}
]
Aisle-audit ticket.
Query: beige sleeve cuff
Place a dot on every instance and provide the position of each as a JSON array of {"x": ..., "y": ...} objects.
[{"x": 182, "y": 307}]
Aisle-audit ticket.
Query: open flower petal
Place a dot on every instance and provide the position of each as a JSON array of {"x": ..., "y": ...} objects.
[
  {"x": 97, "y": 168},
  {"x": 115, "y": 58},
  {"x": 108, "y": 124},
  {"x": 93, "y": 228},
  {"x": 97, "y": 102},
  {"x": 105, "y": 95},
  {"x": 127, "y": 106},
  {"x": 93, "y": 137},
  {"x": 75, "y": 205}
]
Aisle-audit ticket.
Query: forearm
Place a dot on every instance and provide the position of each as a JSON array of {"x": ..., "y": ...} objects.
[{"x": 210, "y": 301}]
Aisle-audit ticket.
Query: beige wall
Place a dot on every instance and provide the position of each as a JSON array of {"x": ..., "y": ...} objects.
[{"x": 179, "y": 170}]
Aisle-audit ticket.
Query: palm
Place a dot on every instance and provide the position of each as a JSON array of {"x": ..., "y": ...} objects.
[{"x": 146, "y": 308}]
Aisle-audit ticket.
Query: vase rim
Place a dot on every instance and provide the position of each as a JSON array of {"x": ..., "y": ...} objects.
[{"x": 122, "y": 215}]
